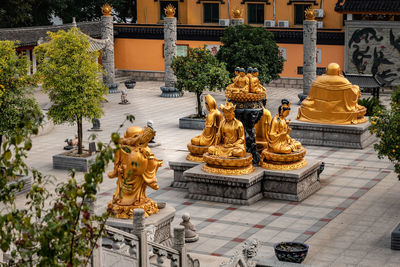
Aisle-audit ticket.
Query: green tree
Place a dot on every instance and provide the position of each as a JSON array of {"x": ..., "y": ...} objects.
[
  {"x": 17, "y": 104},
  {"x": 246, "y": 46},
  {"x": 386, "y": 126},
  {"x": 70, "y": 75},
  {"x": 199, "y": 71}
]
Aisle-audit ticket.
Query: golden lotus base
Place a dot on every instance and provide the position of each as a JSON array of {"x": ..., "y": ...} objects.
[
  {"x": 226, "y": 163},
  {"x": 283, "y": 166},
  {"x": 194, "y": 158},
  {"x": 245, "y": 97},
  {"x": 295, "y": 156},
  {"x": 126, "y": 212},
  {"x": 230, "y": 171}
]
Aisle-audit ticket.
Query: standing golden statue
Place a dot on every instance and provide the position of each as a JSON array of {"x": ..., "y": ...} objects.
[
  {"x": 135, "y": 168},
  {"x": 228, "y": 153},
  {"x": 262, "y": 128},
  {"x": 332, "y": 99},
  {"x": 199, "y": 144},
  {"x": 283, "y": 152}
]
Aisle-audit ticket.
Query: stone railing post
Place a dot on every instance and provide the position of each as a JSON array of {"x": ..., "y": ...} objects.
[
  {"x": 309, "y": 56},
  {"x": 107, "y": 33},
  {"x": 96, "y": 259},
  {"x": 138, "y": 230},
  {"x": 179, "y": 244},
  {"x": 170, "y": 50}
]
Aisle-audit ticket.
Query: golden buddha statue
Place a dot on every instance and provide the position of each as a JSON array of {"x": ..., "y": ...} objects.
[
  {"x": 332, "y": 99},
  {"x": 228, "y": 89},
  {"x": 262, "y": 128},
  {"x": 228, "y": 153},
  {"x": 246, "y": 87},
  {"x": 283, "y": 152},
  {"x": 240, "y": 83},
  {"x": 135, "y": 168},
  {"x": 255, "y": 86},
  {"x": 199, "y": 144}
]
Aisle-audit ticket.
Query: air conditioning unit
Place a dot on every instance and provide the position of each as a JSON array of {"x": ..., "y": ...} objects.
[
  {"x": 319, "y": 13},
  {"x": 320, "y": 24},
  {"x": 283, "y": 23},
  {"x": 224, "y": 22},
  {"x": 269, "y": 23}
]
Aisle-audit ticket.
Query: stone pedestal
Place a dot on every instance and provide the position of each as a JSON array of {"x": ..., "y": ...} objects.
[
  {"x": 233, "y": 189},
  {"x": 294, "y": 185},
  {"x": 107, "y": 33},
  {"x": 179, "y": 167},
  {"x": 309, "y": 56},
  {"x": 170, "y": 51},
  {"x": 249, "y": 117},
  {"x": 347, "y": 136},
  {"x": 161, "y": 222}
]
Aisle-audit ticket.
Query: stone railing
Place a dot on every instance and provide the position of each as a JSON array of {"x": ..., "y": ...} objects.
[{"x": 119, "y": 248}]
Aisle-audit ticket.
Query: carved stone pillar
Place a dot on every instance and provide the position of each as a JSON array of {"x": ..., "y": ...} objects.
[
  {"x": 107, "y": 33},
  {"x": 309, "y": 56},
  {"x": 170, "y": 34}
]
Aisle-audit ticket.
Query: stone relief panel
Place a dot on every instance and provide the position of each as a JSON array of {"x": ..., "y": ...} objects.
[{"x": 373, "y": 47}]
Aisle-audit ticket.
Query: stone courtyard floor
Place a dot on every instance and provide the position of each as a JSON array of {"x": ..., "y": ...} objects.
[{"x": 348, "y": 222}]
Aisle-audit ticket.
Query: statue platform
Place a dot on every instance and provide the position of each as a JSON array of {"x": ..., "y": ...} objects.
[
  {"x": 179, "y": 167},
  {"x": 331, "y": 135},
  {"x": 161, "y": 221},
  {"x": 293, "y": 185}
]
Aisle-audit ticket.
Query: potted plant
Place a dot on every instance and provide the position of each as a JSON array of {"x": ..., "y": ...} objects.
[
  {"x": 291, "y": 251},
  {"x": 73, "y": 85},
  {"x": 197, "y": 72},
  {"x": 130, "y": 84},
  {"x": 17, "y": 105}
]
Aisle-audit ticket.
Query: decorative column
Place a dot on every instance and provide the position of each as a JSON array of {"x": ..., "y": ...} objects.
[
  {"x": 107, "y": 33},
  {"x": 237, "y": 18},
  {"x": 309, "y": 52},
  {"x": 170, "y": 34}
]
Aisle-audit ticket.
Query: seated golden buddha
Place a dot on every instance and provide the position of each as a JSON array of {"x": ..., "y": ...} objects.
[
  {"x": 245, "y": 87},
  {"x": 199, "y": 144},
  {"x": 282, "y": 152},
  {"x": 332, "y": 99},
  {"x": 228, "y": 89},
  {"x": 240, "y": 83},
  {"x": 255, "y": 86},
  {"x": 135, "y": 168},
  {"x": 262, "y": 128},
  {"x": 228, "y": 153}
]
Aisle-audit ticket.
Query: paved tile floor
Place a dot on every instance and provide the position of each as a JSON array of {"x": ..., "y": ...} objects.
[{"x": 346, "y": 223}]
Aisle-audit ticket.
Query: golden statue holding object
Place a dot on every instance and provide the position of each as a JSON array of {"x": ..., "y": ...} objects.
[
  {"x": 200, "y": 144},
  {"x": 135, "y": 168},
  {"x": 333, "y": 100},
  {"x": 283, "y": 152},
  {"x": 228, "y": 153}
]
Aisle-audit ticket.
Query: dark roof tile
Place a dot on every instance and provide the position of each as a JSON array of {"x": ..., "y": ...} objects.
[{"x": 376, "y": 6}]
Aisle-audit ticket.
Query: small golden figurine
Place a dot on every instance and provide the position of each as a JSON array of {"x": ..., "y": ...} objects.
[
  {"x": 255, "y": 86},
  {"x": 135, "y": 168},
  {"x": 106, "y": 9},
  {"x": 310, "y": 14},
  {"x": 283, "y": 152},
  {"x": 237, "y": 14},
  {"x": 169, "y": 11},
  {"x": 228, "y": 153},
  {"x": 245, "y": 88},
  {"x": 262, "y": 128},
  {"x": 235, "y": 83},
  {"x": 332, "y": 99},
  {"x": 200, "y": 144}
]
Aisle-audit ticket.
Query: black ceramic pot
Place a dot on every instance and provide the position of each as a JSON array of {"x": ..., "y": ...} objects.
[
  {"x": 291, "y": 251},
  {"x": 130, "y": 84}
]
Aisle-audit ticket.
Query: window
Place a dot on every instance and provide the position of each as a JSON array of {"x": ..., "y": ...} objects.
[
  {"x": 164, "y": 4},
  {"x": 255, "y": 13},
  {"x": 211, "y": 13},
  {"x": 299, "y": 13}
]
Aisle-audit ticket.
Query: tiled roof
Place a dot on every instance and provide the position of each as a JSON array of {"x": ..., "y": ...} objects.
[
  {"x": 364, "y": 80},
  {"x": 361, "y": 6},
  {"x": 28, "y": 36}
]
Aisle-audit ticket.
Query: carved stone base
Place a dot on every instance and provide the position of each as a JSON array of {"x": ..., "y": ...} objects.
[
  {"x": 179, "y": 167},
  {"x": 161, "y": 221},
  {"x": 170, "y": 92},
  {"x": 347, "y": 136},
  {"x": 191, "y": 239},
  {"x": 233, "y": 189},
  {"x": 294, "y": 185}
]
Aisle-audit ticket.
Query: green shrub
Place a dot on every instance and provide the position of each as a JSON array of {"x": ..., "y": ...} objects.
[{"x": 372, "y": 104}]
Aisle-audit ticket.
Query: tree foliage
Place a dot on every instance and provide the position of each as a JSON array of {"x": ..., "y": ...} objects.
[
  {"x": 53, "y": 228},
  {"x": 70, "y": 75},
  {"x": 17, "y": 104},
  {"x": 199, "y": 71},
  {"x": 386, "y": 126},
  {"x": 246, "y": 46}
]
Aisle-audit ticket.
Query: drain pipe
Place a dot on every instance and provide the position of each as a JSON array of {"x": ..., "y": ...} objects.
[
  {"x": 322, "y": 4},
  {"x": 275, "y": 10},
  {"x": 229, "y": 10}
]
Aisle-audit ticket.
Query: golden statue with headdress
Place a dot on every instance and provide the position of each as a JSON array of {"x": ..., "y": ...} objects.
[
  {"x": 135, "y": 168},
  {"x": 332, "y": 99}
]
